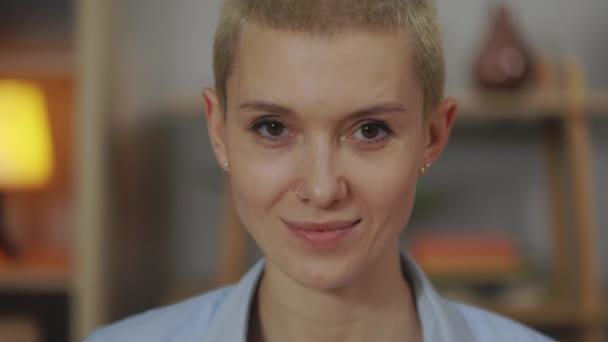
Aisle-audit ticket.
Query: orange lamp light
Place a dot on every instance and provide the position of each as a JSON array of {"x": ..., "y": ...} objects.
[{"x": 26, "y": 154}]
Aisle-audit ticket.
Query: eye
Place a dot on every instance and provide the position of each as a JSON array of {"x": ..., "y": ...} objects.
[
  {"x": 272, "y": 129},
  {"x": 371, "y": 132}
]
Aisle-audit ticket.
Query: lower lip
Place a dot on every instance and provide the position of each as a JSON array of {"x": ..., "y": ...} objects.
[{"x": 322, "y": 238}]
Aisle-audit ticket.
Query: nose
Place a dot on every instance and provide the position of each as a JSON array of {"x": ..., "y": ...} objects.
[{"x": 324, "y": 185}]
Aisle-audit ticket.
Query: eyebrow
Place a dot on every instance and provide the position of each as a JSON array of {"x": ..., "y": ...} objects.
[
  {"x": 268, "y": 107},
  {"x": 379, "y": 109},
  {"x": 373, "y": 110}
]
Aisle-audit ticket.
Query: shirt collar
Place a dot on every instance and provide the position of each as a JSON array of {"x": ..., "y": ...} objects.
[{"x": 440, "y": 320}]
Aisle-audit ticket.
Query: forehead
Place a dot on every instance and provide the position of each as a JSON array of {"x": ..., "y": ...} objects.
[{"x": 294, "y": 68}]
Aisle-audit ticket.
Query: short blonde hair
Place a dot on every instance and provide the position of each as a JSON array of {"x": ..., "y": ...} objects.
[{"x": 417, "y": 18}]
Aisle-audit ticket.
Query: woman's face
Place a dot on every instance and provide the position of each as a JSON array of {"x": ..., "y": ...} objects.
[{"x": 324, "y": 139}]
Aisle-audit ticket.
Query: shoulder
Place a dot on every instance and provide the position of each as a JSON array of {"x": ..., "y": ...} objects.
[
  {"x": 219, "y": 315},
  {"x": 176, "y": 322},
  {"x": 487, "y": 326}
]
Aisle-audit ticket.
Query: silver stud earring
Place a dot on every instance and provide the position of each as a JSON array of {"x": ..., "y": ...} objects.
[
  {"x": 225, "y": 165},
  {"x": 425, "y": 168}
]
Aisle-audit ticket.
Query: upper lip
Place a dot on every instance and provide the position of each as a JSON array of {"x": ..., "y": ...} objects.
[{"x": 320, "y": 226}]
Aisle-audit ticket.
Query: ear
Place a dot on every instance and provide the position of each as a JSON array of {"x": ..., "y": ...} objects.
[
  {"x": 215, "y": 126},
  {"x": 438, "y": 130}
]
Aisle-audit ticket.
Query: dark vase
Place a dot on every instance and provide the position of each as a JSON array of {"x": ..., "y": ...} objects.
[{"x": 504, "y": 61}]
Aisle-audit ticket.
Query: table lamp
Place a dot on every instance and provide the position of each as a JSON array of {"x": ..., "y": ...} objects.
[{"x": 26, "y": 154}]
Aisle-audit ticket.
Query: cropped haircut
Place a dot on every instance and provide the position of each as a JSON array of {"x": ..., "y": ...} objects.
[{"x": 417, "y": 19}]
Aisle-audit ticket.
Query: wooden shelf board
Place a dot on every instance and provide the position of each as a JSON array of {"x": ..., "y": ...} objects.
[
  {"x": 40, "y": 269},
  {"x": 550, "y": 315},
  {"x": 31, "y": 279},
  {"x": 597, "y": 102},
  {"x": 50, "y": 56},
  {"x": 524, "y": 105},
  {"x": 53, "y": 64}
]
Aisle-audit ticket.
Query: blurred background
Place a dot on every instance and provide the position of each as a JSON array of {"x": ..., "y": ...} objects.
[{"x": 111, "y": 201}]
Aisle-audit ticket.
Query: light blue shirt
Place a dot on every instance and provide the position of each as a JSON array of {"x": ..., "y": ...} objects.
[{"x": 222, "y": 316}]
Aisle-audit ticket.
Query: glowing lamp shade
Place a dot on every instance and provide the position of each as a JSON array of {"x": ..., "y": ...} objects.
[{"x": 26, "y": 154}]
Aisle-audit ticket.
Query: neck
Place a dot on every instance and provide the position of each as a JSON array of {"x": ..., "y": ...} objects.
[{"x": 377, "y": 306}]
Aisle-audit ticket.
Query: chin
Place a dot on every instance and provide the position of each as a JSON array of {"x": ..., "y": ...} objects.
[{"x": 323, "y": 275}]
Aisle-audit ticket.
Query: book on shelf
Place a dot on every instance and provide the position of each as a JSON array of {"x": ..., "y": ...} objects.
[
  {"x": 466, "y": 255},
  {"x": 478, "y": 268}
]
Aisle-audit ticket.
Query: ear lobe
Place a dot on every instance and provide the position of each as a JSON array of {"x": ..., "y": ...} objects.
[
  {"x": 215, "y": 124},
  {"x": 439, "y": 129}
]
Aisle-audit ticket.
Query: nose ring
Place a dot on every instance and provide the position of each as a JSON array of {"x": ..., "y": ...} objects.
[{"x": 298, "y": 192}]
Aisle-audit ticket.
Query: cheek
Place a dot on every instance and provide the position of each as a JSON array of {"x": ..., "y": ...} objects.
[
  {"x": 258, "y": 180},
  {"x": 392, "y": 197},
  {"x": 389, "y": 194},
  {"x": 399, "y": 201}
]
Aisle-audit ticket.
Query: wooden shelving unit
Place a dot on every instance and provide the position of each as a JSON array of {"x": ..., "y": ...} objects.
[
  {"x": 561, "y": 110},
  {"x": 80, "y": 56},
  {"x": 38, "y": 284},
  {"x": 533, "y": 104}
]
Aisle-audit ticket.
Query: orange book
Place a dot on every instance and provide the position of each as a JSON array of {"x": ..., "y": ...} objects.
[{"x": 447, "y": 254}]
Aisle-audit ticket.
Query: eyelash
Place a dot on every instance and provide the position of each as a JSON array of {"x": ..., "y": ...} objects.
[
  {"x": 259, "y": 124},
  {"x": 379, "y": 124}
]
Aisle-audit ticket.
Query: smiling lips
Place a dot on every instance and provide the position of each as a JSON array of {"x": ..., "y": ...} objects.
[{"x": 322, "y": 235}]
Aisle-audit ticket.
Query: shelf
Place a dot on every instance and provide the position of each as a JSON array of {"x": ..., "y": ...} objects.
[
  {"x": 549, "y": 315},
  {"x": 52, "y": 57},
  {"x": 41, "y": 270},
  {"x": 35, "y": 280},
  {"x": 524, "y": 105}
]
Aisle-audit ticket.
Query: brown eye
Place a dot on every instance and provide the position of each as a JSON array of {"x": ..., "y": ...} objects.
[
  {"x": 271, "y": 129},
  {"x": 370, "y": 131},
  {"x": 274, "y": 128}
]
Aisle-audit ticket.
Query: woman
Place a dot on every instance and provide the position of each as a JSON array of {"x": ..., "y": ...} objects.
[{"x": 325, "y": 116}]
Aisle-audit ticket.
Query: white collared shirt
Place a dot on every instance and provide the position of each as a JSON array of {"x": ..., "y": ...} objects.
[{"x": 222, "y": 316}]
